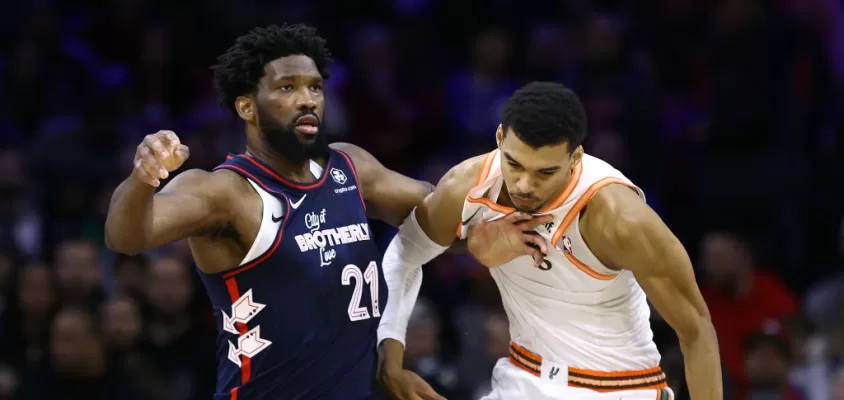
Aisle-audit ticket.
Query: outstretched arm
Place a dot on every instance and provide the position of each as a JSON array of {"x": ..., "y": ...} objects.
[
  {"x": 389, "y": 195},
  {"x": 425, "y": 234},
  {"x": 624, "y": 233}
]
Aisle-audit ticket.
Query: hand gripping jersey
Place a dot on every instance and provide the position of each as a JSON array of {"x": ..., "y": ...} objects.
[{"x": 572, "y": 310}]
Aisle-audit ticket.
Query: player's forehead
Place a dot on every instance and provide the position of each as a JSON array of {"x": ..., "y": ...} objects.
[
  {"x": 514, "y": 149},
  {"x": 295, "y": 66}
]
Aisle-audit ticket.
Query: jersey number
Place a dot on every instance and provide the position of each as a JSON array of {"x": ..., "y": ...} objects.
[{"x": 370, "y": 277}]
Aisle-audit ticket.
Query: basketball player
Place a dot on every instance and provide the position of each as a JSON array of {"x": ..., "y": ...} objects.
[
  {"x": 279, "y": 233},
  {"x": 579, "y": 318}
]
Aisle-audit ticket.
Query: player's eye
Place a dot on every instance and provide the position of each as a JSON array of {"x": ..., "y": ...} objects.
[
  {"x": 286, "y": 88},
  {"x": 316, "y": 88}
]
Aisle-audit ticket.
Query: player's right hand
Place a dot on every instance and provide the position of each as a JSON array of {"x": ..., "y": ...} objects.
[
  {"x": 497, "y": 242},
  {"x": 159, "y": 154},
  {"x": 406, "y": 385}
]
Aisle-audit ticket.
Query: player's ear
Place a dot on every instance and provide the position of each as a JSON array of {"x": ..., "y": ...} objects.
[
  {"x": 499, "y": 135},
  {"x": 245, "y": 107},
  {"x": 576, "y": 156}
]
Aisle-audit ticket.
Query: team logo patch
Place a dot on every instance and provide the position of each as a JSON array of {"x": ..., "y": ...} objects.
[
  {"x": 566, "y": 244},
  {"x": 338, "y": 176}
]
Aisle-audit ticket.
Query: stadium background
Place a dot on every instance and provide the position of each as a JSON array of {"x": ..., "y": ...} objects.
[{"x": 730, "y": 114}]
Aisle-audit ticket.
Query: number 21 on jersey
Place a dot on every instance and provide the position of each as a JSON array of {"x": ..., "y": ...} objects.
[{"x": 368, "y": 277}]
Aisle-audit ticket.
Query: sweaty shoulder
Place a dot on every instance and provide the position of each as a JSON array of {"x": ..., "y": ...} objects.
[
  {"x": 461, "y": 178},
  {"x": 614, "y": 202},
  {"x": 440, "y": 212}
]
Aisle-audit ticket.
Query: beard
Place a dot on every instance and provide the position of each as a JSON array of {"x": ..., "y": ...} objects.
[{"x": 286, "y": 143}]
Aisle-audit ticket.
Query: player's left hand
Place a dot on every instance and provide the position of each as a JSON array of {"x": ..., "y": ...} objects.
[
  {"x": 406, "y": 385},
  {"x": 497, "y": 242}
]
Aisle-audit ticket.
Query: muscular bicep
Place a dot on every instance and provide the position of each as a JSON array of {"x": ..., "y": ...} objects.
[
  {"x": 187, "y": 206},
  {"x": 626, "y": 234},
  {"x": 392, "y": 196}
]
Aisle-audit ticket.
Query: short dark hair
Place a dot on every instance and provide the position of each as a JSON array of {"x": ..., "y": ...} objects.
[
  {"x": 238, "y": 69},
  {"x": 545, "y": 114}
]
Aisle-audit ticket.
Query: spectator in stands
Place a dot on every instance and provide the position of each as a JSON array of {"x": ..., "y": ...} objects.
[
  {"x": 129, "y": 272},
  {"x": 740, "y": 296},
  {"x": 810, "y": 371},
  {"x": 120, "y": 318},
  {"x": 122, "y": 326},
  {"x": 25, "y": 338},
  {"x": 78, "y": 367},
  {"x": 77, "y": 263},
  {"x": 175, "y": 343},
  {"x": 768, "y": 360}
]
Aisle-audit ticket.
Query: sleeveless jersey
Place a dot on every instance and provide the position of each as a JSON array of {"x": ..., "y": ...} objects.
[
  {"x": 572, "y": 309},
  {"x": 297, "y": 319}
]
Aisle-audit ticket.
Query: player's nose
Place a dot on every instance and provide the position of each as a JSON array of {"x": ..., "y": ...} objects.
[
  {"x": 305, "y": 100},
  {"x": 525, "y": 184}
]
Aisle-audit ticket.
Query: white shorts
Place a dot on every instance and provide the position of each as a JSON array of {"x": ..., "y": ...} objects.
[{"x": 510, "y": 382}]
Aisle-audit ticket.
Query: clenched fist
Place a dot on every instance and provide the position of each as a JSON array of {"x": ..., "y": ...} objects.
[{"x": 157, "y": 156}]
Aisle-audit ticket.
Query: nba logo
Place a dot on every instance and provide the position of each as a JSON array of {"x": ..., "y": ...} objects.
[
  {"x": 338, "y": 176},
  {"x": 566, "y": 244}
]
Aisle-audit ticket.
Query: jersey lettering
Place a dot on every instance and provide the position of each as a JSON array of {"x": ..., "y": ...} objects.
[{"x": 324, "y": 239}]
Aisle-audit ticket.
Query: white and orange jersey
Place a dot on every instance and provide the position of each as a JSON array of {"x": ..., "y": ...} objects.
[{"x": 573, "y": 310}]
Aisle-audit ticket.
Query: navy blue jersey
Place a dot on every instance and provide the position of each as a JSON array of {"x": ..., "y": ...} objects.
[{"x": 298, "y": 319}]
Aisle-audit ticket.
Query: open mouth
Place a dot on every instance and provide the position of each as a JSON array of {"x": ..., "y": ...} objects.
[{"x": 308, "y": 125}]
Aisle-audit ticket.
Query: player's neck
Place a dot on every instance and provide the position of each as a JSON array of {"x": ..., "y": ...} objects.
[{"x": 297, "y": 172}]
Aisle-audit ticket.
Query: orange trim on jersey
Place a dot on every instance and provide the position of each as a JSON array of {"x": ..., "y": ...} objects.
[
  {"x": 557, "y": 202},
  {"x": 599, "y": 381},
  {"x": 561, "y": 199},
  {"x": 492, "y": 205},
  {"x": 487, "y": 165},
  {"x": 570, "y": 217},
  {"x": 245, "y": 361},
  {"x": 488, "y": 160}
]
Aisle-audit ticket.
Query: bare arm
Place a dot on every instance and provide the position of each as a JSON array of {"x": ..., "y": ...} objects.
[
  {"x": 139, "y": 219},
  {"x": 437, "y": 217},
  {"x": 389, "y": 195},
  {"x": 624, "y": 233}
]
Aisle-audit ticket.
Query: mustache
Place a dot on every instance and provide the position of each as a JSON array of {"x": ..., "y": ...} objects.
[{"x": 304, "y": 113}]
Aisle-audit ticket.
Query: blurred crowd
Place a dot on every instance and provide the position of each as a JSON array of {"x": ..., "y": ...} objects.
[{"x": 730, "y": 114}]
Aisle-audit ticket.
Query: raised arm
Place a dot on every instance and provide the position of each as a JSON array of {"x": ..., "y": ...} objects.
[
  {"x": 140, "y": 219},
  {"x": 624, "y": 233},
  {"x": 389, "y": 195}
]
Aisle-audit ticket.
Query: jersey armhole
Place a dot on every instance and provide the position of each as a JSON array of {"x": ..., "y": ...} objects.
[
  {"x": 482, "y": 177},
  {"x": 574, "y": 214},
  {"x": 266, "y": 236}
]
